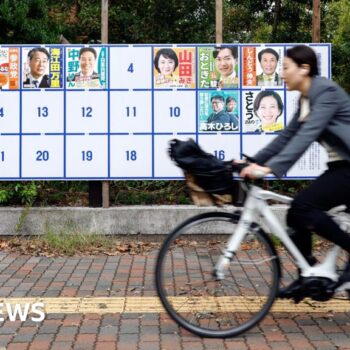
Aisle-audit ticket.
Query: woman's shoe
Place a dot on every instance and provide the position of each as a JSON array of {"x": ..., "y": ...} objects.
[{"x": 291, "y": 291}]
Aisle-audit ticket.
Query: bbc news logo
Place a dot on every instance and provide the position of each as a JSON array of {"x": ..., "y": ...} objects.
[{"x": 22, "y": 312}]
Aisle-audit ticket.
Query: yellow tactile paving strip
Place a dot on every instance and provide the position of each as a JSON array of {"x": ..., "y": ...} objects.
[{"x": 62, "y": 305}]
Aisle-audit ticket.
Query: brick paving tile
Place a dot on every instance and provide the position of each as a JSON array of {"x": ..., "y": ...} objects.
[
  {"x": 129, "y": 326},
  {"x": 324, "y": 345},
  {"x": 67, "y": 333},
  {"x": 212, "y": 344},
  {"x": 150, "y": 334},
  {"x": 288, "y": 325},
  {"x": 235, "y": 345},
  {"x": 62, "y": 345},
  {"x": 339, "y": 339},
  {"x": 170, "y": 342},
  {"x": 299, "y": 341},
  {"x": 314, "y": 333},
  {"x": 17, "y": 346},
  {"x": 41, "y": 342},
  {"x": 89, "y": 326},
  {"x": 279, "y": 345},
  {"x": 85, "y": 341},
  {"x": 72, "y": 320},
  {"x": 143, "y": 345},
  {"x": 5, "y": 340},
  {"x": 128, "y": 340},
  {"x": 50, "y": 326},
  {"x": 25, "y": 335},
  {"x": 105, "y": 345}
]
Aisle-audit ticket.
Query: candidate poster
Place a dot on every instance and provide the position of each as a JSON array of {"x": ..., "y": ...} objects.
[
  {"x": 218, "y": 111},
  {"x": 218, "y": 67},
  {"x": 262, "y": 66},
  {"x": 174, "y": 67},
  {"x": 263, "y": 111},
  {"x": 86, "y": 68},
  {"x": 42, "y": 67}
]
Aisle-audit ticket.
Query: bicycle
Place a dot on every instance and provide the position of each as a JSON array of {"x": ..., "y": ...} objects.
[{"x": 217, "y": 289}]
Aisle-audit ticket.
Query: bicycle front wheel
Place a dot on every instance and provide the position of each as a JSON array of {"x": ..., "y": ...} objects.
[{"x": 192, "y": 295}]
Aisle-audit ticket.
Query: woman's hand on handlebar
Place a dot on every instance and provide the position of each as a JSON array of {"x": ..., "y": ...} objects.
[{"x": 255, "y": 171}]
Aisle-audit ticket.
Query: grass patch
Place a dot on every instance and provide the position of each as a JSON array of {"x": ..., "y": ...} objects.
[{"x": 72, "y": 241}]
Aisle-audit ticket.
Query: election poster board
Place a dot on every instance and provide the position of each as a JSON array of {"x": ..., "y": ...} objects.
[{"x": 108, "y": 112}]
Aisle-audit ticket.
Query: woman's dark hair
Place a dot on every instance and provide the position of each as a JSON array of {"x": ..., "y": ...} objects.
[
  {"x": 302, "y": 54},
  {"x": 88, "y": 49},
  {"x": 266, "y": 93},
  {"x": 167, "y": 53}
]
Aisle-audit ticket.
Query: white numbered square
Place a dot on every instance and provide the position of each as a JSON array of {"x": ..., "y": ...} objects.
[
  {"x": 87, "y": 111},
  {"x": 42, "y": 112},
  {"x": 42, "y": 157},
  {"x": 9, "y": 112},
  {"x": 131, "y": 111},
  {"x": 87, "y": 156},
  {"x": 164, "y": 167},
  {"x": 9, "y": 157},
  {"x": 131, "y": 156},
  {"x": 131, "y": 67},
  {"x": 175, "y": 111},
  {"x": 224, "y": 147}
]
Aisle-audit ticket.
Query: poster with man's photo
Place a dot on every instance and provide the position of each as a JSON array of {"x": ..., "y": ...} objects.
[
  {"x": 218, "y": 111},
  {"x": 262, "y": 66},
  {"x": 174, "y": 67},
  {"x": 218, "y": 67},
  {"x": 86, "y": 68},
  {"x": 9, "y": 68},
  {"x": 42, "y": 67},
  {"x": 263, "y": 111}
]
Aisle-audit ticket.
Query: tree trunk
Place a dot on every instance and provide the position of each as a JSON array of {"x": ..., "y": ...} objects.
[{"x": 275, "y": 20}]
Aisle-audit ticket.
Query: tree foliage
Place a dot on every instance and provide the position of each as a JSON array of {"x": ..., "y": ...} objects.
[
  {"x": 26, "y": 21},
  {"x": 179, "y": 21}
]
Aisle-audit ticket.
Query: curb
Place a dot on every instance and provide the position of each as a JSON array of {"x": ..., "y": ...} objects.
[{"x": 126, "y": 220}]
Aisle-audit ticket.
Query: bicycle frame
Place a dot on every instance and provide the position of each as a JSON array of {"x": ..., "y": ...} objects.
[{"x": 255, "y": 207}]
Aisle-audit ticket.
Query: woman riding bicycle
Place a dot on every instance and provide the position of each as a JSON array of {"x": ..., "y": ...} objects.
[{"x": 324, "y": 116}]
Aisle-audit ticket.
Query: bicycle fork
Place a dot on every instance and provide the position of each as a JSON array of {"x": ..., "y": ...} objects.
[{"x": 243, "y": 228}]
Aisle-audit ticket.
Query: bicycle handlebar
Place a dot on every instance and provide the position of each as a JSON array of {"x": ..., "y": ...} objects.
[{"x": 238, "y": 167}]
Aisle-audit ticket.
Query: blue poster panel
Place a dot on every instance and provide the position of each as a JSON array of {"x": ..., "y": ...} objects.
[{"x": 90, "y": 112}]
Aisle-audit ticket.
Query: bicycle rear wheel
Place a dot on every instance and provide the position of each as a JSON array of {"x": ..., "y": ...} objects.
[{"x": 191, "y": 294}]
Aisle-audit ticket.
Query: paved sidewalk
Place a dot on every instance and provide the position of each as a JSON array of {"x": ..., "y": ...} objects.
[{"x": 86, "y": 287}]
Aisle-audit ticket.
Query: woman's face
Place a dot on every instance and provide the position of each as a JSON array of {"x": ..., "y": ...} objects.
[
  {"x": 268, "y": 110},
  {"x": 87, "y": 63},
  {"x": 166, "y": 65},
  {"x": 292, "y": 74}
]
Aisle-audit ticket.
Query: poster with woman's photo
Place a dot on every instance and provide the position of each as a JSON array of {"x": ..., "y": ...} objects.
[
  {"x": 42, "y": 67},
  {"x": 218, "y": 67},
  {"x": 174, "y": 67},
  {"x": 218, "y": 111},
  {"x": 262, "y": 66},
  {"x": 86, "y": 68},
  {"x": 263, "y": 111}
]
